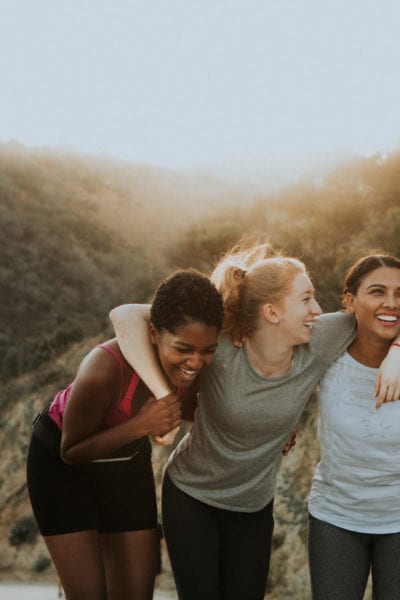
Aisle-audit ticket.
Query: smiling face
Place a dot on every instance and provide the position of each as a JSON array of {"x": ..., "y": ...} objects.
[
  {"x": 298, "y": 310},
  {"x": 376, "y": 304},
  {"x": 183, "y": 354}
]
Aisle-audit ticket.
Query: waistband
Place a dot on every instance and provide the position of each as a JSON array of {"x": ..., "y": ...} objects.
[{"x": 46, "y": 430}]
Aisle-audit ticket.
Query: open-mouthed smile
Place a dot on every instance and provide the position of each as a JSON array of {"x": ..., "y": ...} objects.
[{"x": 387, "y": 319}]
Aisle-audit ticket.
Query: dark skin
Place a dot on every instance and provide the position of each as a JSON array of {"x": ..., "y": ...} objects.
[
  {"x": 104, "y": 561},
  {"x": 96, "y": 389}
]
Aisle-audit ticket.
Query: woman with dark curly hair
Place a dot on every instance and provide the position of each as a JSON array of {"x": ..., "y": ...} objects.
[{"x": 89, "y": 469}]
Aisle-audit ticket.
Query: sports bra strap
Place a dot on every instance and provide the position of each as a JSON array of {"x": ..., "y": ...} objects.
[
  {"x": 121, "y": 366},
  {"x": 126, "y": 401}
]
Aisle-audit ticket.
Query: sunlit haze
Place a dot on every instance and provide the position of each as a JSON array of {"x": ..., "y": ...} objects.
[{"x": 244, "y": 87}]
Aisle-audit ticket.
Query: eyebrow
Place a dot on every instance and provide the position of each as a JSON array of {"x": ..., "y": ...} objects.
[{"x": 380, "y": 285}]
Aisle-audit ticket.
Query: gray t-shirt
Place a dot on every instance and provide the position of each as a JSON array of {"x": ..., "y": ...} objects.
[{"x": 231, "y": 456}]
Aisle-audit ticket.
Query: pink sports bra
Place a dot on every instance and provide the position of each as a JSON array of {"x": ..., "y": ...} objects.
[{"x": 118, "y": 413}]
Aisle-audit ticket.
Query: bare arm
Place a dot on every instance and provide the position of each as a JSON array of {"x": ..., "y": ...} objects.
[
  {"x": 95, "y": 389},
  {"x": 387, "y": 386},
  {"x": 131, "y": 323}
]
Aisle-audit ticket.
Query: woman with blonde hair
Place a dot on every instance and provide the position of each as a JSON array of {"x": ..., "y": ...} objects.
[{"x": 219, "y": 484}]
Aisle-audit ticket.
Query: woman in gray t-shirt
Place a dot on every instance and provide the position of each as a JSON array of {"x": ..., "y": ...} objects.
[{"x": 219, "y": 485}]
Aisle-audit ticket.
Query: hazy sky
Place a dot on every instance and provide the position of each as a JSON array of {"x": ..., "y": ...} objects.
[{"x": 186, "y": 83}]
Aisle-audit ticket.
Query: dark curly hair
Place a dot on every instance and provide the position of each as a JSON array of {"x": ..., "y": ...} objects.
[{"x": 186, "y": 295}]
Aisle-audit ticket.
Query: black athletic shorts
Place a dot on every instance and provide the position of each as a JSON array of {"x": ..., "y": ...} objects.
[{"x": 110, "y": 497}]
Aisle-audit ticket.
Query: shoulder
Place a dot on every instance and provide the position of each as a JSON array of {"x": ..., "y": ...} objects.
[
  {"x": 225, "y": 349},
  {"x": 337, "y": 323},
  {"x": 332, "y": 333},
  {"x": 101, "y": 365}
]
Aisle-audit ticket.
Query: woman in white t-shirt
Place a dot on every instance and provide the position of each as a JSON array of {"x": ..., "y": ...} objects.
[{"x": 354, "y": 503}]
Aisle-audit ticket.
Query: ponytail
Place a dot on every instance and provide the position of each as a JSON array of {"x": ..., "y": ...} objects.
[{"x": 246, "y": 278}]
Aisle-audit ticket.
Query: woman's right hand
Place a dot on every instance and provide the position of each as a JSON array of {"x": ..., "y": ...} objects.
[
  {"x": 158, "y": 417},
  {"x": 290, "y": 443}
]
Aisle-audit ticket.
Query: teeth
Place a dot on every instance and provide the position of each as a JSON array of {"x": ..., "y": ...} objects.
[
  {"x": 309, "y": 323},
  {"x": 388, "y": 318},
  {"x": 187, "y": 372}
]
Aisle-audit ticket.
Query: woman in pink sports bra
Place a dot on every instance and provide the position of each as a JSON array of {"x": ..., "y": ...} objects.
[{"x": 89, "y": 469}]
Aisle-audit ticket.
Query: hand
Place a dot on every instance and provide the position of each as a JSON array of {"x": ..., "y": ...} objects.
[
  {"x": 239, "y": 342},
  {"x": 387, "y": 387},
  {"x": 291, "y": 441},
  {"x": 158, "y": 417},
  {"x": 166, "y": 439}
]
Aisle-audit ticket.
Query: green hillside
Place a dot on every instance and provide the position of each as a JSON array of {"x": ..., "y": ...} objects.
[
  {"x": 62, "y": 268},
  {"x": 327, "y": 222},
  {"x": 80, "y": 235}
]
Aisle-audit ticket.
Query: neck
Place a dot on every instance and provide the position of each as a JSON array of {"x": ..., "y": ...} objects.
[
  {"x": 269, "y": 358},
  {"x": 369, "y": 352}
]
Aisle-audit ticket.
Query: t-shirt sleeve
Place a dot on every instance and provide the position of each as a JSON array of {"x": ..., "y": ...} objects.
[
  {"x": 225, "y": 351},
  {"x": 332, "y": 334}
]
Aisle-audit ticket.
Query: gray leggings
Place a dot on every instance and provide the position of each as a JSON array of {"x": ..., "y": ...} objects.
[{"x": 340, "y": 561}]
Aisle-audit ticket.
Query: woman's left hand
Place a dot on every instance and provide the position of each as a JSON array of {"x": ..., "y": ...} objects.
[{"x": 387, "y": 387}]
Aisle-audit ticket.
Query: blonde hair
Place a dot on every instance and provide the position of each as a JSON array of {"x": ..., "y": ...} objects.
[{"x": 248, "y": 278}]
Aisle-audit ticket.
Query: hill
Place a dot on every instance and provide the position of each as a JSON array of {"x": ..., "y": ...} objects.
[
  {"x": 328, "y": 221},
  {"x": 80, "y": 235}
]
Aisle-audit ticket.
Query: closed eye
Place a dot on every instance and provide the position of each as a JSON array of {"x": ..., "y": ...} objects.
[
  {"x": 191, "y": 350},
  {"x": 209, "y": 351}
]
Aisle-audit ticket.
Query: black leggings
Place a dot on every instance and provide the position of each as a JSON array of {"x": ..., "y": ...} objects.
[
  {"x": 216, "y": 554},
  {"x": 340, "y": 561}
]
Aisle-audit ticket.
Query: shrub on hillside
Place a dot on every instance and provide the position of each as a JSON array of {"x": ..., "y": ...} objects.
[{"x": 25, "y": 531}]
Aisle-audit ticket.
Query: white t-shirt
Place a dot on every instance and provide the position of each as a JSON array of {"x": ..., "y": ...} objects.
[{"x": 356, "y": 485}]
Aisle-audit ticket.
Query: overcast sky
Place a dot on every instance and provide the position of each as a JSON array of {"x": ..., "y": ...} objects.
[{"x": 182, "y": 83}]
